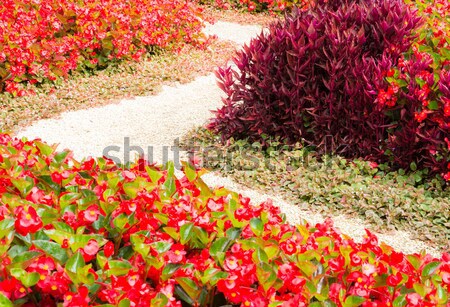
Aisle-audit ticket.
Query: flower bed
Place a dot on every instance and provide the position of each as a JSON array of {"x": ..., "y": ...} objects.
[
  {"x": 46, "y": 39},
  {"x": 257, "y": 5},
  {"x": 91, "y": 233}
]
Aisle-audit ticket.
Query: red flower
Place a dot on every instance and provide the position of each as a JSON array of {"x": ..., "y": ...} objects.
[
  {"x": 394, "y": 280},
  {"x": 27, "y": 220},
  {"x": 176, "y": 253},
  {"x": 78, "y": 299},
  {"x": 91, "y": 214},
  {"x": 108, "y": 249},
  {"x": 90, "y": 250}
]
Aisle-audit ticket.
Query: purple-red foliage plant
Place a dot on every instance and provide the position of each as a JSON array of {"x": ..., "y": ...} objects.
[{"x": 315, "y": 77}]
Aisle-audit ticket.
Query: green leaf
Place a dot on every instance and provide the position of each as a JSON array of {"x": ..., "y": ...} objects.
[
  {"x": 271, "y": 251},
  {"x": 183, "y": 295},
  {"x": 26, "y": 278},
  {"x": 23, "y": 185},
  {"x": 257, "y": 226},
  {"x": 189, "y": 286},
  {"x": 189, "y": 171},
  {"x": 161, "y": 246},
  {"x": 131, "y": 188},
  {"x": 5, "y": 227},
  {"x": 186, "y": 232},
  {"x": 353, "y": 301},
  {"x": 414, "y": 260},
  {"x": 169, "y": 270},
  {"x": 212, "y": 276},
  {"x": 442, "y": 295},
  {"x": 420, "y": 289},
  {"x": 266, "y": 275},
  {"x": 118, "y": 267},
  {"x": 75, "y": 262},
  {"x": 45, "y": 149},
  {"x": 170, "y": 186},
  {"x": 399, "y": 301},
  {"x": 48, "y": 181},
  {"x": 124, "y": 303},
  {"x": 5, "y": 302},
  {"x": 170, "y": 167},
  {"x": 430, "y": 268},
  {"x": 219, "y": 245},
  {"x": 233, "y": 233},
  {"x": 60, "y": 156},
  {"x": 259, "y": 255},
  {"x": 307, "y": 267},
  {"x": 139, "y": 246},
  {"x": 172, "y": 232},
  {"x": 159, "y": 301},
  {"x": 25, "y": 259},
  {"x": 122, "y": 222},
  {"x": 68, "y": 199},
  {"x": 433, "y": 105},
  {"x": 53, "y": 250},
  {"x": 153, "y": 174}
]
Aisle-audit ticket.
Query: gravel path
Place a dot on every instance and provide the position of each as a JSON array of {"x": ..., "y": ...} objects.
[{"x": 155, "y": 122}]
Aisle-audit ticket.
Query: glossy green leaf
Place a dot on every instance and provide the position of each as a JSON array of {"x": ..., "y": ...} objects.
[
  {"x": 45, "y": 149},
  {"x": 169, "y": 270},
  {"x": 257, "y": 226},
  {"x": 28, "y": 279},
  {"x": 4, "y": 301},
  {"x": 430, "y": 268},
  {"x": 153, "y": 174},
  {"x": 53, "y": 250},
  {"x": 266, "y": 275},
  {"x": 219, "y": 245},
  {"x": 75, "y": 262},
  {"x": 189, "y": 286},
  {"x": 118, "y": 267},
  {"x": 186, "y": 232},
  {"x": 23, "y": 185},
  {"x": 212, "y": 276},
  {"x": 400, "y": 301},
  {"x": 25, "y": 259},
  {"x": 189, "y": 171},
  {"x": 6, "y": 227},
  {"x": 353, "y": 301},
  {"x": 161, "y": 246}
]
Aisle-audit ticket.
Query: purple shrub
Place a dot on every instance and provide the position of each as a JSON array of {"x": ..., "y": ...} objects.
[{"x": 316, "y": 75}]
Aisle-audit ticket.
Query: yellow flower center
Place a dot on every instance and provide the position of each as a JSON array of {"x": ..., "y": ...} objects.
[
  {"x": 69, "y": 297},
  {"x": 22, "y": 290},
  {"x": 233, "y": 294},
  {"x": 42, "y": 277},
  {"x": 54, "y": 288},
  {"x": 359, "y": 280},
  {"x": 28, "y": 216},
  {"x": 45, "y": 267},
  {"x": 247, "y": 303},
  {"x": 92, "y": 213},
  {"x": 177, "y": 252}
]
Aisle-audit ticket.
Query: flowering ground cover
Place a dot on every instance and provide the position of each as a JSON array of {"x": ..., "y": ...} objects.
[
  {"x": 91, "y": 233},
  {"x": 46, "y": 39},
  {"x": 333, "y": 185}
]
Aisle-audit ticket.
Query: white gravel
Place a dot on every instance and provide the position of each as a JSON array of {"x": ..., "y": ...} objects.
[{"x": 156, "y": 121}]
